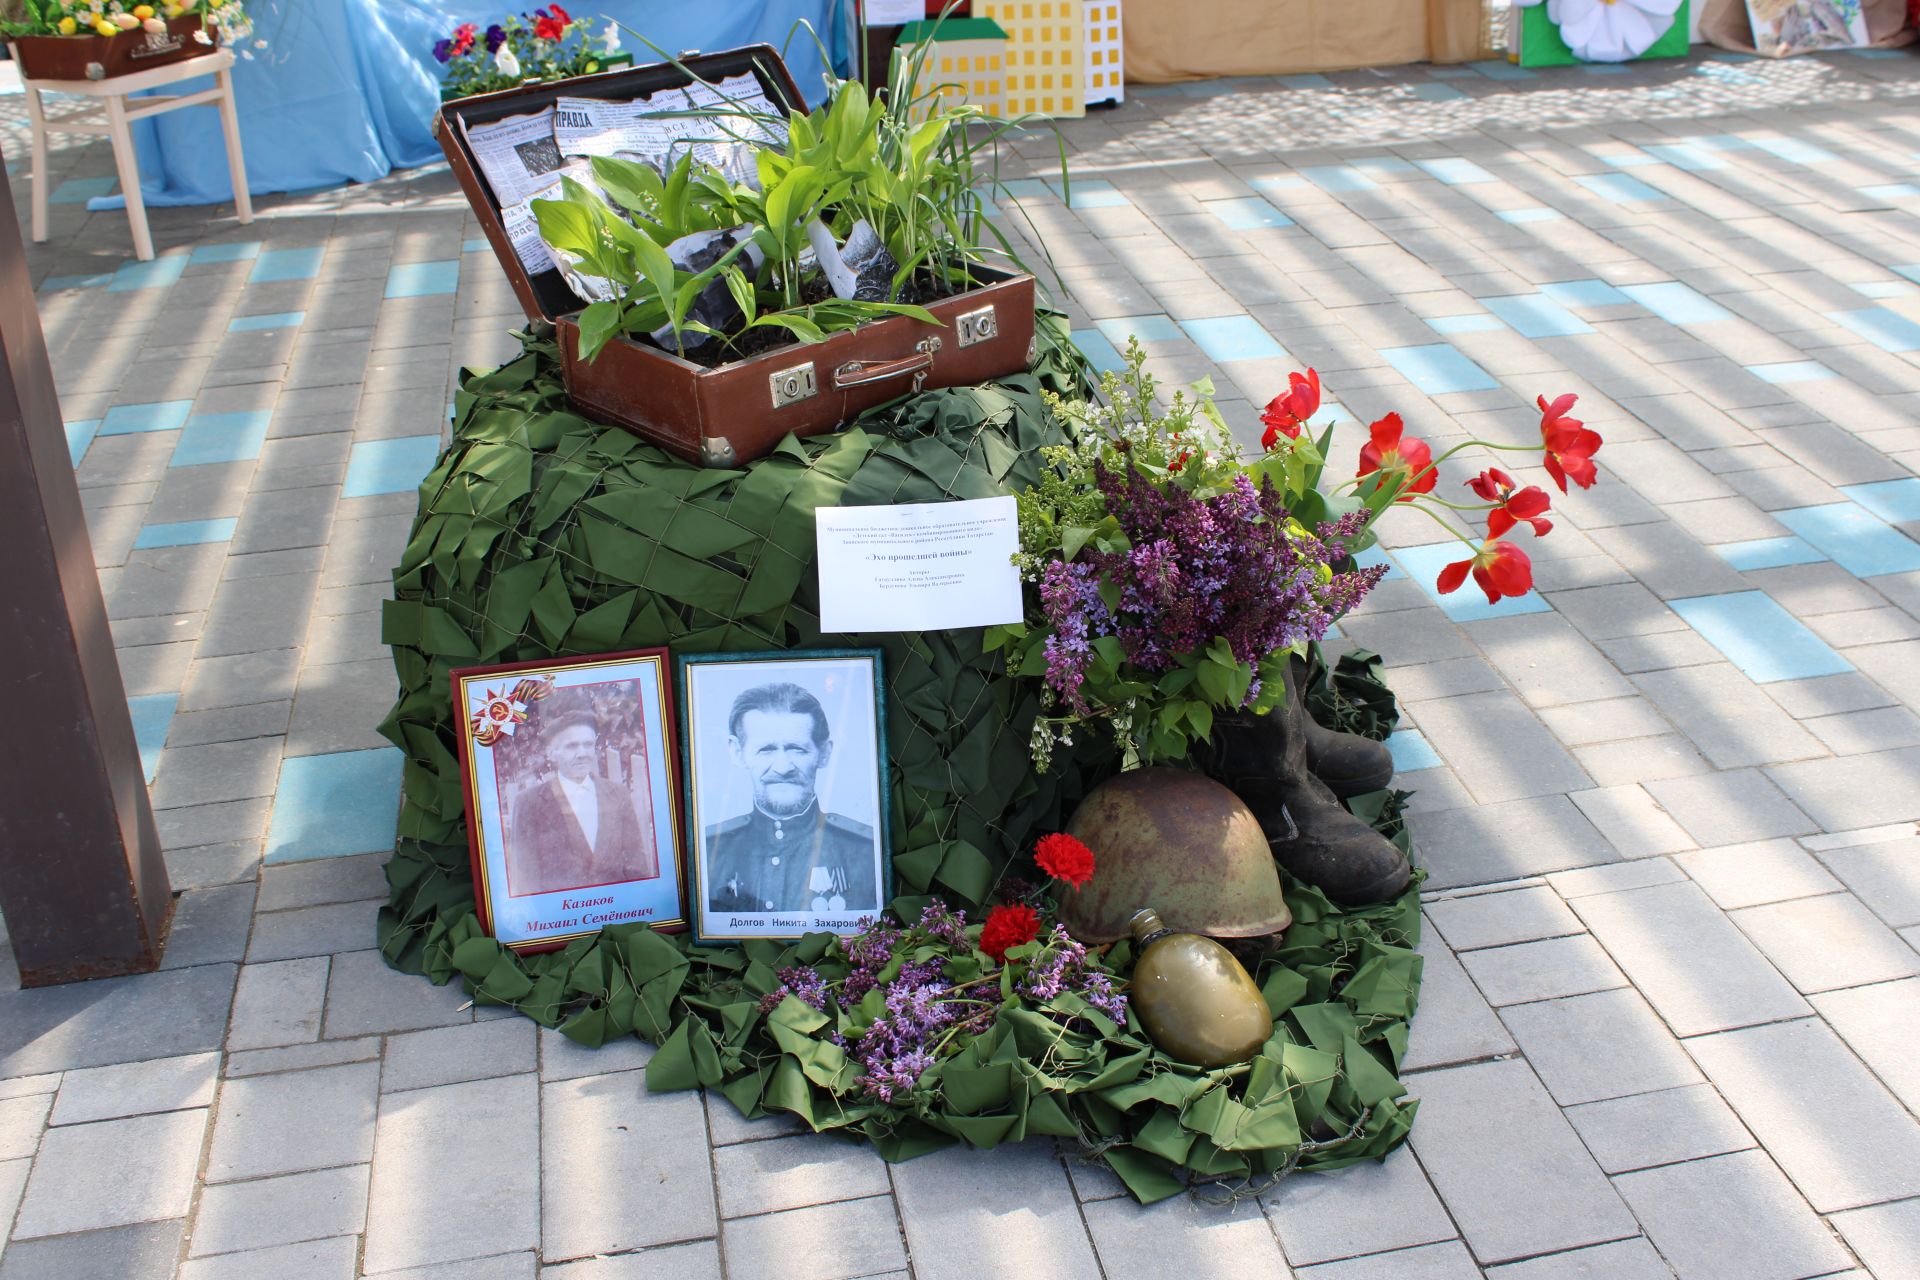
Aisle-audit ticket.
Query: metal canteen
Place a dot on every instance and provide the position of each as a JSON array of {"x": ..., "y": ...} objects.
[
  {"x": 1181, "y": 841},
  {"x": 1194, "y": 999}
]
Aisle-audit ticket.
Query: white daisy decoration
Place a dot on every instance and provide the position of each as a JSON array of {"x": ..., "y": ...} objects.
[{"x": 1609, "y": 30}]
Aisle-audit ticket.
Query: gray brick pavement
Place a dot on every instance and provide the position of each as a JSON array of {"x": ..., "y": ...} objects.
[{"x": 1667, "y": 890}]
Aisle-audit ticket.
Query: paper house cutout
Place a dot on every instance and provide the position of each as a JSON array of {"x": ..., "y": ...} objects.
[
  {"x": 966, "y": 63},
  {"x": 1103, "y": 62},
  {"x": 1045, "y": 59}
]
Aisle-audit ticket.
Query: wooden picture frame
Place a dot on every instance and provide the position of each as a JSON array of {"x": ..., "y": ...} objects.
[
  {"x": 570, "y": 769},
  {"x": 787, "y": 792}
]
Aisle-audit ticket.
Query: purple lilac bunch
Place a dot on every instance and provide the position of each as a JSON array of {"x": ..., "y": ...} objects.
[
  {"x": 804, "y": 983},
  {"x": 869, "y": 951},
  {"x": 1232, "y": 566},
  {"x": 898, "y": 1048},
  {"x": 1065, "y": 967}
]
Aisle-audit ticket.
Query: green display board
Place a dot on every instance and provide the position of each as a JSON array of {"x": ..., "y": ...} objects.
[{"x": 1540, "y": 45}]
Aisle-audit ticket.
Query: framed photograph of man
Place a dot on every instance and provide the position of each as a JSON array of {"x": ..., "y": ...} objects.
[
  {"x": 573, "y": 803},
  {"x": 787, "y": 792}
]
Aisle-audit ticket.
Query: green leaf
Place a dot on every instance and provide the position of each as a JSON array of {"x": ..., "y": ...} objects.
[{"x": 598, "y": 323}]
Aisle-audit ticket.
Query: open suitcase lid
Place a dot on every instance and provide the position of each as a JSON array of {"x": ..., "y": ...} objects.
[{"x": 547, "y": 295}]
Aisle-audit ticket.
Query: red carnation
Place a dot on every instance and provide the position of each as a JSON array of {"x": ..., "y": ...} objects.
[
  {"x": 1008, "y": 927},
  {"x": 1387, "y": 451},
  {"x": 1064, "y": 858},
  {"x": 1286, "y": 413},
  {"x": 1570, "y": 445}
]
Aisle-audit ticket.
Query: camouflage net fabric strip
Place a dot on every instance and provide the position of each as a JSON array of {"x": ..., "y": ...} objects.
[{"x": 542, "y": 535}]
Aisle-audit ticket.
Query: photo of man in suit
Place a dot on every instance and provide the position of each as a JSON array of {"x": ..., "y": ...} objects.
[
  {"x": 577, "y": 828},
  {"x": 787, "y": 853}
]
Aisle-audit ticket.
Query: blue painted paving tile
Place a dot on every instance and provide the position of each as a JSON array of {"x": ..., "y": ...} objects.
[
  {"x": 480, "y": 245},
  {"x": 1469, "y": 603},
  {"x": 1456, "y": 171},
  {"x": 1676, "y": 303},
  {"x": 1146, "y": 328},
  {"x": 1026, "y": 189},
  {"x": 1411, "y": 751},
  {"x": 1890, "y": 191},
  {"x": 1247, "y": 213},
  {"x": 163, "y": 415},
  {"x": 221, "y": 437},
  {"x": 1686, "y": 155},
  {"x": 1888, "y": 330},
  {"x": 272, "y": 320},
  {"x": 1099, "y": 350},
  {"x": 1793, "y": 150},
  {"x": 1284, "y": 182},
  {"x": 81, "y": 190},
  {"x": 1760, "y": 637},
  {"x": 1307, "y": 80},
  {"x": 286, "y": 264},
  {"x": 79, "y": 436},
  {"x": 332, "y": 805},
  {"x": 1885, "y": 289},
  {"x": 1534, "y": 315},
  {"x": 423, "y": 279},
  {"x": 1891, "y": 500},
  {"x": 1601, "y": 68},
  {"x": 185, "y": 533},
  {"x": 1768, "y": 553},
  {"x": 1620, "y": 188},
  {"x": 1228, "y": 338},
  {"x": 1502, "y": 70},
  {"x": 1630, "y": 160},
  {"x": 1535, "y": 214},
  {"x": 54, "y": 284},
  {"x": 389, "y": 466},
  {"x": 1095, "y": 193},
  {"x": 1584, "y": 293},
  {"x": 157, "y": 274},
  {"x": 1475, "y": 322},
  {"x": 152, "y": 716},
  {"x": 1338, "y": 177},
  {"x": 1911, "y": 271},
  {"x": 1438, "y": 368},
  {"x": 231, "y": 251},
  {"x": 1791, "y": 371},
  {"x": 1857, "y": 540},
  {"x": 1375, "y": 556}
]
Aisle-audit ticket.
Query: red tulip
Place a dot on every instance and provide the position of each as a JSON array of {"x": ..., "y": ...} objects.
[
  {"x": 1287, "y": 412},
  {"x": 1512, "y": 505},
  {"x": 1388, "y": 452},
  {"x": 1570, "y": 446},
  {"x": 1500, "y": 568}
]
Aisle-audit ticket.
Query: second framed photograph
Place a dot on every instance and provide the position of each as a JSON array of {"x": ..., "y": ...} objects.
[
  {"x": 573, "y": 807},
  {"x": 787, "y": 792}
]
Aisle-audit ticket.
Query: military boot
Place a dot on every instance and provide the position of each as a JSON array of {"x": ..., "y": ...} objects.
[
  {"x": 1349, "y": 764},
  {"x": 1263, "y": 759}
]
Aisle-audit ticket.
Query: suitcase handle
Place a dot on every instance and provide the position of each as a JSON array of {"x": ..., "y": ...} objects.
[{"x": 858, "y": 373}]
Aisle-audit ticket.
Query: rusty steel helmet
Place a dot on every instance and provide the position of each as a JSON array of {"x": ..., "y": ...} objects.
[{"x": 1180, "y": 843}]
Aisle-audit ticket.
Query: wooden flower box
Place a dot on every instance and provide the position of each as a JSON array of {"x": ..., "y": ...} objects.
[{"x": 97, "y": 57}]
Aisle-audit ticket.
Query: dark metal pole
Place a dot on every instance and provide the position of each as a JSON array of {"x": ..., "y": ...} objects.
[{"x": 82, "y": 883}]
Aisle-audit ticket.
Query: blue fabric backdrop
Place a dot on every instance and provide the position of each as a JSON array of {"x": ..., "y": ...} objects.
[{"x": 345, "y": 90}]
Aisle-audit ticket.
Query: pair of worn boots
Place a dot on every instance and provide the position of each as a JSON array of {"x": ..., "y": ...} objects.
[{"x": 1291, "y": 772}]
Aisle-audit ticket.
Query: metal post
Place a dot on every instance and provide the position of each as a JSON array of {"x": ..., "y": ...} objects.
[{"x": 82, "y": 883}]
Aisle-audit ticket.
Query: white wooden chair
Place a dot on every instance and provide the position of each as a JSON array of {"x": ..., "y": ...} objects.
[{"x": 111, "y": 115}]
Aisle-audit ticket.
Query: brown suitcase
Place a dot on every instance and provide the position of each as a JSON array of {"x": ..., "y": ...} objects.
[
  {"x": 726, "y": 416},
  {"x": 96, "y": 57}
]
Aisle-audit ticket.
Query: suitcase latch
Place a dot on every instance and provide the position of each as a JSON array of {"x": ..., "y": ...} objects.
[
  {"x": 792, "y": 385},
  {"x": 977, "y": 326}
]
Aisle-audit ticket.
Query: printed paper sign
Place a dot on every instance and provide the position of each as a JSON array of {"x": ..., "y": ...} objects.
[{"x": 926, "y": 566}]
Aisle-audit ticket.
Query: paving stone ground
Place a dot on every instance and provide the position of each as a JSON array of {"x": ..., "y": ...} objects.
[{"x": 1668, "y": 805}]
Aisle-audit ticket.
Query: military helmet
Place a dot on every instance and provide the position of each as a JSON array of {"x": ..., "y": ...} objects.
[{"x": 1181, "y": 843}]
